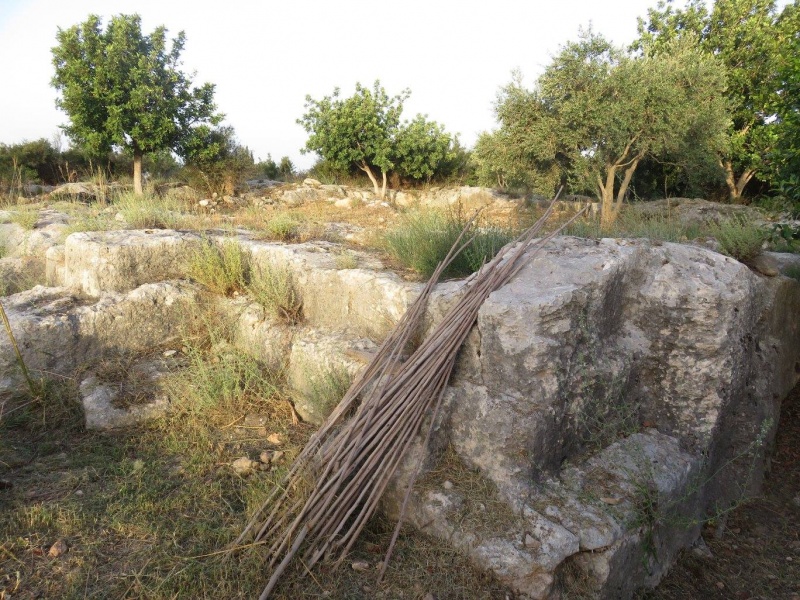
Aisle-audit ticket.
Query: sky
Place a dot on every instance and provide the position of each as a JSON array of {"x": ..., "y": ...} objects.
[{"x": 265, "y": 57}]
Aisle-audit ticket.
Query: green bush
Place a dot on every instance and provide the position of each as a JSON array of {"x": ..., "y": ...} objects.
[
  {"x": 739, "y": 239},
  {"x": 424, "y": 238}
]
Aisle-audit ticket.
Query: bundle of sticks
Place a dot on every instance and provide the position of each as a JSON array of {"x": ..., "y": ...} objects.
[{"x": 334, "y": 485}]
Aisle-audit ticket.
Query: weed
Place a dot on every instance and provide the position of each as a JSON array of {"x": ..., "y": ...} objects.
[
  {"x": 25, "y": 218},
  {"x": 283, "y": 227},
  {"x": 793, "y": 271},
  {"x": 424, "y": 238},
  {"x": 274, "y": 289},
  {"x": 222, "y": 268},
  {"x": 149, "y": 211},
  {"x": 738, "y": 238},
  {"x": 632, "y": 224},
  {"x": 327, "y": 386}
]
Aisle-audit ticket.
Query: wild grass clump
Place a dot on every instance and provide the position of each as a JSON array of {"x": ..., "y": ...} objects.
[
  {"x": 424, "y": 238},
  {"x": 222, "y": 268},
  {"x": 346, "y": 259},
  {"x": 283, "y": 227},
  {"x": 326, "y": 386},
  {"x": 149, "y": 211},
  {"x": 25, "y": 217},
  {"x": 273, "y": 287},
  {"x": 631, "y": 224},
  {"x": 739, "y": 238}
]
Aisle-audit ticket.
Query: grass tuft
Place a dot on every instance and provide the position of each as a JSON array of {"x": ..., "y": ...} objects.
[
  {"x": 25, "y": 218},
  {"x": 223, "y": 269},
  {"x": 274, "y": 289},
  {"x": 424, "y": 238},
  {"x": 149, "y": 211}
]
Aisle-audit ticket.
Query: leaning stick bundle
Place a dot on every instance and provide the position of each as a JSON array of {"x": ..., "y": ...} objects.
[{"x": 334, "y": 485}]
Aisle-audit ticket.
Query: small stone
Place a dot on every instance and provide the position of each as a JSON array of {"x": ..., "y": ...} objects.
[
  {"x": 265, "y": 457},
  {"x": 530, "y": 541},
  {"x": 242, "y": 466},
  {"x": 119, "y": 217},
  {"x": 796, "y": 500},
  {"x": 214, "y": 196},
  {"x": 57, "y": 549},
  {"x": 766, "y": 265},
  {"x": 79, "y": 492},
  {"x": 276, "y": 439},
  {"x": 263, "y": 467},
  {"x": 169, "y": 353},
  {"x": 360, "y": 565},
  {"x": 609, "y": 500},
  {"x": 429, "y": 596},
  {"x": 448, "y": 485},
  {"x": 720, "y": 585},
  {"x": 311, "y": 182},
  {"x": 204, "y": 202},
  {"x": 701, "y": 550},
  {"x": 277, "y": 455}
]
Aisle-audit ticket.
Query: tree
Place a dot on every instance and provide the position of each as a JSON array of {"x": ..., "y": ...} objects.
[
  {"x": 751, "y": 40},
  {"x": 286, "y": 168},
  {"x": 123, "y": 89},
  {"x": 597, "y": 112},
  {"x": 365, "y": 131}
]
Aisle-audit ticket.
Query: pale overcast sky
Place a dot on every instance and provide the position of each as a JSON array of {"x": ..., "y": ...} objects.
[{"x": 264, "y": 57}]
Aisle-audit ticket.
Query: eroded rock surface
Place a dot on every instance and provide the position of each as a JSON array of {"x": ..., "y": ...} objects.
[{"x": 613, "y": 394}]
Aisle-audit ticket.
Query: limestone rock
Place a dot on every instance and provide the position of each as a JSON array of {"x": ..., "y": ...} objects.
[
  {"x": 766, "y": 265},
  {"x": 641, "y": 368},
  {"x": 118, "y": 261}
]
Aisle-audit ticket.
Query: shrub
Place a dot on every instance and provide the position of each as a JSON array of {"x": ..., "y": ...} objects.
[
  {"x": 739, "y": 239},
  {"x": 283, "y": 227},
  {"x": 274, "y": 289},
  {"x": 223, "y": 268},
  {"x": 424, "y": 238}
]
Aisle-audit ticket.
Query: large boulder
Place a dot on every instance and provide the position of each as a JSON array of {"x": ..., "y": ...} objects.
[{"x": 611, "y": 396}]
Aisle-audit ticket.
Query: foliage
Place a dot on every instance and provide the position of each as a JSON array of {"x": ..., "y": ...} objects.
[
  {"x": 274, "y": 289},
  {"x": 739, "y": 238},
  {"x": 365, "y": 131},
  {"x": 286, "y": 168},
  {"x": 147, "y": 211},
  {"x": 215, "y": 160},
  {"x": 597, "y": 112},
  {"x": 424, "y": 238},
  {"x": 222, "y": 268},
  {"x": 757, "y": 46},
  {"x": 123, "y": 89}
]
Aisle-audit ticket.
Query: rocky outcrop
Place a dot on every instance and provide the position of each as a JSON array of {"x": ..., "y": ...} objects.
[
  {"x": 612, "y": 396},
  {"x": 609, "y": 399}
]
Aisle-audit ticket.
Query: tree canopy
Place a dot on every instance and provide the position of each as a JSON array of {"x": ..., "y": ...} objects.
[
  {"x": 365, "y": 131},
  {"x": 121, "y": 88},
  {"x": 596, "y": 112},
  {"x": 754, "y": 42}
]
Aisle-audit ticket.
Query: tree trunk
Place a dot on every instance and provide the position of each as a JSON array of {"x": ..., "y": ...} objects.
[
  {"x": 365, "y": 167},
  {"x": 137, "y": 172},
  {"x": 736, "y": 186},
  {"x": 607, "y": 214},
  {"x": 383, "y": 188}
]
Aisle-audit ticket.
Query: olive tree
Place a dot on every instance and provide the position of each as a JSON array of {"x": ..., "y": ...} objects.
[
  {"x": 365, "y": 131},
  {"x": 753, "y": 41},
  {"x": 597, "y": 111},
  {"x": 121, "y": 88}
]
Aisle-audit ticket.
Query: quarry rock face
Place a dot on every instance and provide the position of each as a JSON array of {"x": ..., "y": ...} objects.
[{"x": 612, "y": 396}]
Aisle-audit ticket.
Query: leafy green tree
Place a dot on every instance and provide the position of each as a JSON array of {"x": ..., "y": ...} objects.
[
  {"x": 752, "y": 41},
  {"x": 597, "y": 112},
  {"x": 365, "y": 131},
  {"x": 123, "y": 89},
  {"x": 421, "y": 148}
]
